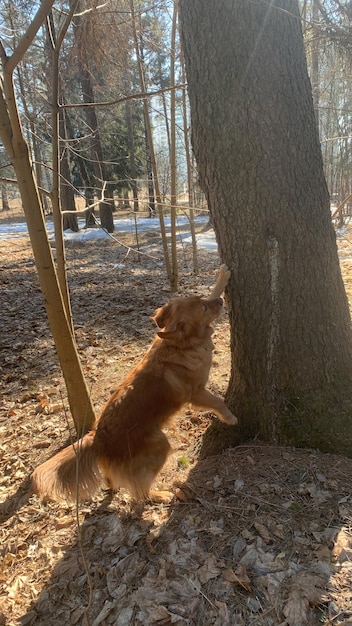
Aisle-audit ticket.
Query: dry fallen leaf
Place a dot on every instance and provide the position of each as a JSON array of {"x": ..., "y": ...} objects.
[
  {"x": 263, "y": 531},
  {"x": 306, "y": 590},
  {"x": 239, "y": 577},
  {"x": 209, "y": 570},
  {"x": 296, "y": 609},
  {"x": 183, "y": 494},
  {"x": 224, "y": 615}
]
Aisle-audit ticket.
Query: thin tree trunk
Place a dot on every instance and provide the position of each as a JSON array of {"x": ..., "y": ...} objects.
[
  {"x": 133, "y": 168},
  {"x": 34, "y": 141},
  {"x": 105, "y": 207},
  {"x": 173, "y": 164},
  {"x": 131, "y": 146},
  {"x": 56, "y": 42},
  {"x": 90, "y": 220},
  {"x": 4, "y": 198},
  {"x": 66, "y": 189},
  {"x": 150, "y": 181},
  {"x": 17, "y": 149},
  {"x": 189, "y": 172},
  {"x": 151, "y": 147},
  {"x": 90, "y": 215},
  {"x": 315, "y": 61}
]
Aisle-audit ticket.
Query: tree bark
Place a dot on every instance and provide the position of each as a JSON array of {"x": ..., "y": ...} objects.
[
  {"x": 4, "y": 198},
  {"x": 67, "y": 195},
  {"x": 150, "y": 146},
  {"x": 17, "y": 149},
  {"x": 256, "y": 144},
  {"x": 105, "y": 206}
]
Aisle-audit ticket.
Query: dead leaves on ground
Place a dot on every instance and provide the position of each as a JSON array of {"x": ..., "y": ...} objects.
[
  {"x": 259, "y": 535},
  {"x": 226, "y": 556}
]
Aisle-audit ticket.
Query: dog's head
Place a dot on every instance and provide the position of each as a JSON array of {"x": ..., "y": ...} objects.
[{"x": 184, "y": 319}]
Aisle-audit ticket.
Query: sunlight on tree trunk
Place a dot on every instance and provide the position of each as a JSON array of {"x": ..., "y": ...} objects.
[{"x": 56, "y": 43}]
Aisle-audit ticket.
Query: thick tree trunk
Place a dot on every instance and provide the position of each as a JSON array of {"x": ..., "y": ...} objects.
[{"x": 259, "y": 160}]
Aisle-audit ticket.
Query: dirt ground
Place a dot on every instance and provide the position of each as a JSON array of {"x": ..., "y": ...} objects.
[{"x": 259, "y": 535}]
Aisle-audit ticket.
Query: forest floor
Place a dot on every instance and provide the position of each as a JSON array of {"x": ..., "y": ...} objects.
[{"x": 259, "y": 535}]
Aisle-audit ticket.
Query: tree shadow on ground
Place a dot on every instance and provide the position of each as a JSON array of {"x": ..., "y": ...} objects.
[
  {"x": 288, "y": 514},
  {"x": 259, "y": 533}
]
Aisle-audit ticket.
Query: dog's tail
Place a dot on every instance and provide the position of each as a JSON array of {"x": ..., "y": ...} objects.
[{"x": 72, "y": 474}]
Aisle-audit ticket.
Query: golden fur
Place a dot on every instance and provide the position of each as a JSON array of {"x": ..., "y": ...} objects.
[{"x": 127, "y": 447}]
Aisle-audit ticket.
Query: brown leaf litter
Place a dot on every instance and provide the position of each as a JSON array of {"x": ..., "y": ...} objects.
[{"x": 257, "y": 535}]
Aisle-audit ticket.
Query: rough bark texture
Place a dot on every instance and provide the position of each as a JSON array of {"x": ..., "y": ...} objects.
[{"x": 259, "y": 159}]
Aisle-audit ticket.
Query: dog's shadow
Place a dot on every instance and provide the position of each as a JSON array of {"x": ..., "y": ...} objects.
[
  {"x": 125, "y": 560},
  {"x": 109, "y": 534},
  {"x": 16, "y": 501},
  {"x": 115, "y": 548}
]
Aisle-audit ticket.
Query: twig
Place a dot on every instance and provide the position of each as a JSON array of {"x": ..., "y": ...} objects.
[
  {"x": 78, "y": 523},
  {"x": 133, "y": 96},
  {"x": 196, "y": 588},
  {"x": 346, "y": 238},
  {"x": 129, "y": 248}
]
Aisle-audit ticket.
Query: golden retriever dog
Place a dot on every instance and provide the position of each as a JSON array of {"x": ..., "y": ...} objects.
[{"x": 127, "y": 447}]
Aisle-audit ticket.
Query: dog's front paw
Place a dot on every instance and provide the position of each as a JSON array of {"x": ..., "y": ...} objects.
[
  {"x": 231, "y": 420},
  {"x": 221, "y": 282},
  {"x": 224, "y": 274}
]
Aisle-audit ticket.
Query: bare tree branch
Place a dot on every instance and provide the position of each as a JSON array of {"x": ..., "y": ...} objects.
[
  {"x": 29, "y": 35},
  {"x": 134, "y": 96}
]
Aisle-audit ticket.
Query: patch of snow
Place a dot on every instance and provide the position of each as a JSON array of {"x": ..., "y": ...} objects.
[{"x": 205, "y": 240}]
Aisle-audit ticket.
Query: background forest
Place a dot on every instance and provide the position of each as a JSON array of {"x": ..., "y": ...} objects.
[
  {"x": 260, "y": 534},
  {"x": 109, "y": 57}
]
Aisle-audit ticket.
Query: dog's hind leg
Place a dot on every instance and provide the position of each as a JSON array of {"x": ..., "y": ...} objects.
[
  {"x": 138, "y": 474},
  {"x": 158, "y": 451}
]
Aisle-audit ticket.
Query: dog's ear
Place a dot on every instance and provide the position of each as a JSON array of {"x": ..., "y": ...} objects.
[
  {"x": 175, "y": 334},
  {"x": 162, "y": 315}
]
